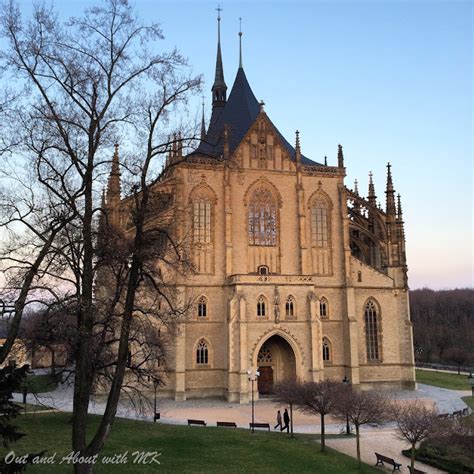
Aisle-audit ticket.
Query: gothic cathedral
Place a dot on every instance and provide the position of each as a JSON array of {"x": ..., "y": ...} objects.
[{"x": 294, "y": 274}]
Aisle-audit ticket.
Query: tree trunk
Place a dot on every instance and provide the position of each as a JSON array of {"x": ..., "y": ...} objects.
[
  {"x": 358, "y": 443},
  {"x": 291, "y": 419},
  {"x": 323, "y": 439},
  {"x": 53, "y": 362},
  {"x": 412, "y": 463}
]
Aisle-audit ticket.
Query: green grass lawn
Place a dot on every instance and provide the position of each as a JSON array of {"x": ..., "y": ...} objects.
[
  {"x": 185, "y": 449},
  {"x": 443, "y": 379}
]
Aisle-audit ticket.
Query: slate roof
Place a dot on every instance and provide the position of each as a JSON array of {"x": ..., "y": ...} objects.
[{"x": 239, "y": 113}]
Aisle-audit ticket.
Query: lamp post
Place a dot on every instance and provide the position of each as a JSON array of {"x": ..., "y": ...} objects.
[
  {"x": 346, "y": 382},
  {"x": 253, "y": 376}
]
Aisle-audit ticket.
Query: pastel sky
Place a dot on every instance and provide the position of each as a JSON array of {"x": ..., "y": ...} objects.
[{"x": 389, "y": 80}]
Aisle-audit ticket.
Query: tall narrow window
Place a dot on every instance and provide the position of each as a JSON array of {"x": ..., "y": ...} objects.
[
  {"x": 202, "y": 307},
  {"x": 319, "y": 224},
  {"x": 261, "y": 307},
  {"x": 202, "y": 353},
  {"x": 371, "y": 331},
  {"x": 290, "y": 308},
  {"x": 324, "y": 308},
  {"x": 326, "y": 350},
  {"x": 262, "y": 218},
  {"x": 202, "y": 222}
]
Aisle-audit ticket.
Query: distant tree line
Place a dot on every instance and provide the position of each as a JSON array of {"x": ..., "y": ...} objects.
[{"x": 443, "y": 325}]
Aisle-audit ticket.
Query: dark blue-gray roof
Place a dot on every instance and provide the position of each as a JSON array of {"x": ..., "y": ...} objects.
[{"x": 239, "y": 113}]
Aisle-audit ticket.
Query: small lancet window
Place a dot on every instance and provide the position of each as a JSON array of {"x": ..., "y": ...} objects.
[
  {"x": 261, "y": 307},
  {"x": 290, "y": 308},
  {"x": 326, "y": 350},
  {"x": 323, "y": 308},
  {"x": 202, "y": 307},
  {"x": 202, "y": 353}
]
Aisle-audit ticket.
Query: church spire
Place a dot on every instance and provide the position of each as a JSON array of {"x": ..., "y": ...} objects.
[
  {"x": 240, "y": 44},
  {"x": 114, "y": 188},
  {"x": 219, "y": 89},
  {"x": 340, "y": 157},
  {"x": 356, "y": 187},
  {"x": 372, "y": 198},
  {"x": 203, "y": 123},
  {"x": 390, "y": 193}
]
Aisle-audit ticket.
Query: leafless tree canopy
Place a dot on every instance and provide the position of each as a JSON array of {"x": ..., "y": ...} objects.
[{"x": 79, "y": 87}]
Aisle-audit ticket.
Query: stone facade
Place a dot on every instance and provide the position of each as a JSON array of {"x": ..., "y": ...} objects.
[{"x": 295, "y": 274}]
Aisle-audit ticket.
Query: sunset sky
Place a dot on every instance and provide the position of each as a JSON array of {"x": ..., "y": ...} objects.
[{"x": 389, "y": 80}]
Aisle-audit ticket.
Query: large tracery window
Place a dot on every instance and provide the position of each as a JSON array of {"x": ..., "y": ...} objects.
[
  {"x": 262, "y": 216},
  {"x": 202, "y": 353},
  {"x": 202, "y": 222},
  {"x": 319, "y": 224},
  {"x": 372, "y": 331}
]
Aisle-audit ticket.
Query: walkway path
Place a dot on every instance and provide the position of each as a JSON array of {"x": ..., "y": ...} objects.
[{"x": 213, "y": 410}]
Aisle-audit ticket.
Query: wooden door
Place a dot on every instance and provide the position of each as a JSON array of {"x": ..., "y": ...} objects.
[{"x": 265, "y": 380}]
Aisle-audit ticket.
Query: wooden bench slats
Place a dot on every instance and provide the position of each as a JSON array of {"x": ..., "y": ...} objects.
[
  {"x": 381, "y": 459},
  {"x": 260, "y": 425},
  {"x": 227, "y": 424},
  {"x": 196, "y": 422}
]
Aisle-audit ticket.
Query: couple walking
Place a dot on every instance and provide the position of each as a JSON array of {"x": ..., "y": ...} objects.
[{"x": 286, "y": 420}]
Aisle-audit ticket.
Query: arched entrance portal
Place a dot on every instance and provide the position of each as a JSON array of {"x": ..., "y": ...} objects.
[{"x": 276, "y": 363}]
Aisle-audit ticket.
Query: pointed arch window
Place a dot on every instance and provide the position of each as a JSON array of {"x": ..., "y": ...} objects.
[
  {"x": 262, "y": 218},
  {"x": 324, "y": 308},
  {"x": 290, "y": 308},
  {"x": 326, "y": 350},
  {"x": 202, "y": 307},
  {"x": 261, "y": 307},
  {"x": 372, "y": 331},
  {"x": 320, "y": 224},
  {"x": 202, "y": 222},
  {"x": 202, "y": 353}
]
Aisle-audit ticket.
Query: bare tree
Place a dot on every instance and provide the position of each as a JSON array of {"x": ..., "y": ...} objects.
[
  {"x": 415, "y": 422},
  {"x": 85, "y": 84},
  {"x": 362, "y": 408},
  {"x": 457, "y": 355},
  {"x": 318, "y": 398},
  {"x": 288, "y": 393}
]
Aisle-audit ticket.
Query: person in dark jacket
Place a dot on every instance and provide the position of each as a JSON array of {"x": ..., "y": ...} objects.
[{"x": 286, "y": 420}]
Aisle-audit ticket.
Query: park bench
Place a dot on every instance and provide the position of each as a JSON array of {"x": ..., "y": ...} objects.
[
  {"x": 443, "y": 415},
  {"x": 381, "y": 459},
  {"x": 156, "y": 416},
  {"x": 196, "y": 422},
  {"x": 465, "y": 411},
  {"x": 457, "y": 413},
  {"x": 227, "y": 424},
  {"x": 415, "y": 470},
  {"x": 260, "y": 425}
]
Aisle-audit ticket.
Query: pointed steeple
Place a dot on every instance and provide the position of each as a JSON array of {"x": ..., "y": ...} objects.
[
  {"x": 340, "y": 157},
  {"x": 240, "y": 44},
  {"x": 325, "y": 160},
  {"x": 356, "y": 187},
  {"x": 297, "y": 148},
  {"x": 114, "y": 186},
  {"x": 390, "y": 194},
  {"x": 203, "y": 123},
  {"x": 219, "y": 89},
  {"x": 372, "y": 198},
  {"x": 399, "y": 210}
]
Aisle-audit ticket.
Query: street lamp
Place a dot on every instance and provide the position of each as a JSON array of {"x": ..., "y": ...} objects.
[
  {"x": 346, "y": 382},
  {"x": 253, "y": 375}
]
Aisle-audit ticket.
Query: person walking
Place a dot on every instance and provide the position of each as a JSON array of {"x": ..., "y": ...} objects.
[
  {"x": 278, "y": 421},
  {"x": 286, "y": 420}
]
